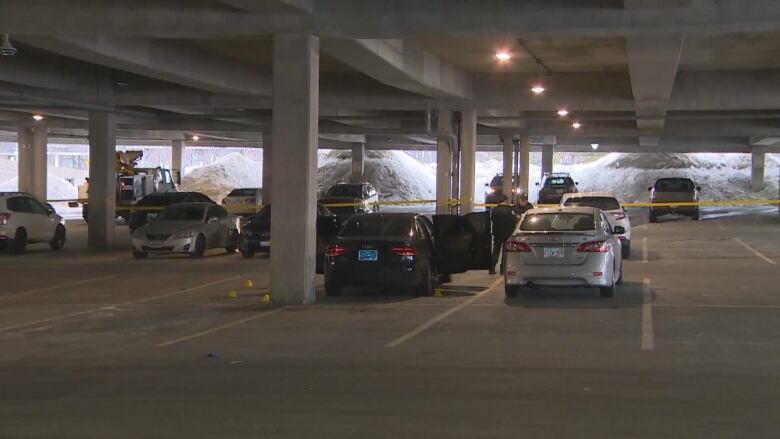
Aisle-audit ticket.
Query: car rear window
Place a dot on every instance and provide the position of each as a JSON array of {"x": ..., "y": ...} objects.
[
  {"x": 162, "y": 199},
  {"x": 345, "y": 190},
  {"x": 377, "y": 225},
  {"x": 242, "y": 193},
  {"x": 559, "y": 182},
  {"x": 603, "y": 203},
  {"x": 182, "y": 213},
  {"x": 558, "y": 222},
  {"x": 674, "y": 185}
]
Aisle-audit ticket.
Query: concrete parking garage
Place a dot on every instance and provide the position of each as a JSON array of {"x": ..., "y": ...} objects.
[{"x": 97, "y": 344}]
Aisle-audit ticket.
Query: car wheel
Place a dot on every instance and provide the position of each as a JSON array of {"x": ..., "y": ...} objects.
[
  {"x": 59, "y": 238},
  {"x": 426, "y": 284},
  {"x": 199, "y": 248},
  {"x": 653, "y": 218},
  {"x": 332, "y": 289},
  {"x": 247, "y": 254},
  {"x": 512, "y": 290},
  {"x": 620, "y": 276},
  {"x": 230, "y": 249},
  {"x": 19, "y": 243},
  {"x": 444, "y": 278},
  {"x": 139, "y": 255},
  {"x": 626, "y": 248},
  {"x": 695, "y": 216}
]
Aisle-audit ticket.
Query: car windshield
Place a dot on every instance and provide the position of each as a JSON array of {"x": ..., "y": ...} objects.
[
  {"x": 162, "y": 199},
  {"x": 377, "y": 225},
  {"x": 558, "y": 222},
  {"x": 345, "y": 190},
  {"x": 603, "y": 203},
  {"x": 182, "y": 213},
  {"x": 243, "y": 193},
  {"x": 559, "y": 182},
  {"x": 674, "y": 185}
]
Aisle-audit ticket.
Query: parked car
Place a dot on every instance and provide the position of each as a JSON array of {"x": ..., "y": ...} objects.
[
  {"x": 190, "y": 228},
  {"x": 347, "y": 199},
  {"x": 25, "y": 220},
  {"x": 554, "y": 186},
  {"x": 256, "y": 234},
  {"x": 151, "y": 205},
  {"x": 494, "y": 193},
  {"x": 244, "y": 201},
  {"x": 565, "y": 246},
  {"x": 406, "y": 251},
  {"x": 607, "y": 202},
  {"x": 671, "y": 190}
]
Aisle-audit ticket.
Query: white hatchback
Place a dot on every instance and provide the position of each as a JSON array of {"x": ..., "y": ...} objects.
[
  {"x": 607, "y": 202},
  {"x": 24, "y": 220}
]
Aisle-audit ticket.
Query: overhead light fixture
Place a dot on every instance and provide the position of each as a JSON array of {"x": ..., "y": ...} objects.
[
  {"x": 6, "y": 48},
  {"x": 38, "y": 117},
  {"x": 503, "y": 56},
  {"x": 196, "y": 137},
  {"x": 576, "y": 125},
  {"x": 538, "y": 89},
  {"x": 563, "y": 112},
  {"x": 595, "y": 146}
]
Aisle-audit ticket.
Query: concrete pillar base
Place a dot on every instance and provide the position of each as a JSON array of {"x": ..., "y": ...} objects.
[
  {"x": 358, "y": 162},
  {"x": 102, "y": 180},
  {"x": 757, "y": 159}
]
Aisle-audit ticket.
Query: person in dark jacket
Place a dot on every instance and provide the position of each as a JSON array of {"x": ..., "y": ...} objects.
[
  {"x": 522, "y": 206},
  {"x": 503, "y": 219}
]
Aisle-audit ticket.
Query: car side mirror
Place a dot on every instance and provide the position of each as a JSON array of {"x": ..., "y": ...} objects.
[
  {"x": 576, "y": 183},
  {"x": 618, "y": 230},
  {"x": 536, "y": 184},
  {"x": 50, "y": 209},
  {"x": 487, "y": 184}
]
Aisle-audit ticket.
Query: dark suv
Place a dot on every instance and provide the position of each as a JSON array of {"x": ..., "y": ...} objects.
[
  {"x": 347, "y": 199},
  {"x": 494, "y": 193},
  {"x": 674, "y": 190},
  {"x": 554, "y": 185}
]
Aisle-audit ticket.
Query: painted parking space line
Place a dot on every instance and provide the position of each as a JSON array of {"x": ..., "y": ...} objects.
[
  {"x": 716, "y": 306},
  {"x": 648, "y": 336},
  {"x": 720, "y": 226},
  {"x": 56, "y": 287},
  {"x": 217, "y": 328},
  {"x": 132, "y": 302},
  {"x": 644, "y": 250},
  {"x": 755, "y": 252},
  {"x": 420, "y": 329}
]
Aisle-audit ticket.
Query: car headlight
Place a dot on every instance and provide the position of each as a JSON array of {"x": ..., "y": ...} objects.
[
  {"x": 185, "y": 234},
  {"x": 489, "y": 190}
]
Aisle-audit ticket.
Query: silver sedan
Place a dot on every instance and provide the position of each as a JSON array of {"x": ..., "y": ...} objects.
[
  {"x": 190, "y": 228},
  {"x": 566, "y": 246}
]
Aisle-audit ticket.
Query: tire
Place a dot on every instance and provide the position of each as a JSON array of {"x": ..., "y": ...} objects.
[
  {"x": 626, "y": 248},
  {"x": 139, "y": 255},
  {"x": 19, "y": 243},
  {"x": 199, "y": 248},
  {"x": 332, "y": 290},
  {"x": 425, "y": 286},
  {"x": 695, "y": 216},
  {"x": 444, "y": 278},
  {"x": 512, "y": 290},
  {"x": 247, "y": 254},
  {"x": 59, "y": 238},
  {"x": 230, "y": 249},
  {"x": 620, "y": 276},
  {"x": 653, "y": 218}
]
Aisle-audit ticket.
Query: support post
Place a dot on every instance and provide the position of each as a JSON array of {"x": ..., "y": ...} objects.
[
  {"x": 177, "y": 152},
  {"x": 295, "y": 117},
  {"x": 40, "y": 165},
  {"x": 24, "y": 163},
  {"x": 468, "y": 159},
  {"x": 508, "y": 162},
  {"x": 547, "y": 159},
  {"x": 757, "y": 159},
  {"x": 358, "y": 164},
  {"x": 524, "y": 163},
  {"x": 102, "y": 180},
  {"x": 267, "y": 167},
  {"x": 444, "y": 144}
]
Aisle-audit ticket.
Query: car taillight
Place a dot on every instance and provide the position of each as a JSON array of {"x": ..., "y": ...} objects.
[
  {"x": 4, "y": 218},
  {"x": 620, "y": 215},
  {"x": 404, "y": 250},
  {"x": 334, "y": 250},
  {"x": 594, "y": 246},
  {"x": 516, "y": 246}
]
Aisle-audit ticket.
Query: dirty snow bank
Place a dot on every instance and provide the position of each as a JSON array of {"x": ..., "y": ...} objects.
[
  {"x": 56, "y": 188},
  {"x": 227, "y": 173}
]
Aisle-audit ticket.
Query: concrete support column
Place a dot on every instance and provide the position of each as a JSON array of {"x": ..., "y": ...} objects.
[
  {"x": 24, "y": 141},
  {"x": 358, "y": 165},
  {"x": 444, "y": 144},
  {"x": 102, "y": 180},
  {"x": 267, "y": 167},
  {"x": 547, "y": 158},
  {"x": 508, "y": 155},
  {"x": 40, "y": 165},
  {"x": 757, "y": 157},
  {"x": 468, "y": 158},
  {"x": 294, "y": 191},
  {"x": 177, "y": 151},
  {"x": 525, "y": 162}
]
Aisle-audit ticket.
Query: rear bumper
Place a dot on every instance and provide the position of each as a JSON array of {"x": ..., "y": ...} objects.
[
  {"x": 519, "y": 273},
  {"x": 396, "y": 275},
  {"x": 254, "y": 243},
  {"x": 682, "y": 210}
]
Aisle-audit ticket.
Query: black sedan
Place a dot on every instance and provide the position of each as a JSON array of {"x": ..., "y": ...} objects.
[
  {"x": 149, "y": 206},
  {"x": 406, "y": 251},
  {"x": 256, "y": 234}
]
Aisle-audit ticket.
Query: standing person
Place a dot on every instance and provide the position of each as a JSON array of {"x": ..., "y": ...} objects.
[
  {"x": 522, "y": 206},
  {"x": 503, "y": 220}
]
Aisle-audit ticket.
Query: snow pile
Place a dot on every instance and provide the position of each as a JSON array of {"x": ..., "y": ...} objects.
[
  {"x": 56, "y": 188},
  {"x": 394, "y": 174},
  {"x": 227, "y": 173}
]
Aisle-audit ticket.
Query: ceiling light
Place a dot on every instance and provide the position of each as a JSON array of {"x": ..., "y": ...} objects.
[
  {"x": 538, "y": 89},
  {"x": 563, "y": 112},
  {"x": 38, "y": 117},
  {"x": 503, "y": 55},
  {"x": 196, "y": 137},
  {"x": 595, "y": 146},
  {"x": 6, "y": 48},
  {"x": 576, "y": 125}
]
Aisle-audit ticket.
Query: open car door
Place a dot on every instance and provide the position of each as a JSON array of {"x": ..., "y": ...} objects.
[{"x": 462, "y": 243}]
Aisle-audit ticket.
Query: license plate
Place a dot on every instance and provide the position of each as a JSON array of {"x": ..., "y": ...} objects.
[
  {"x": 155, "y": 243},
  {"x": 265, "y": 243},
  {"x": 368, "y": 255},
  {"x": 553, "y": 252}
]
